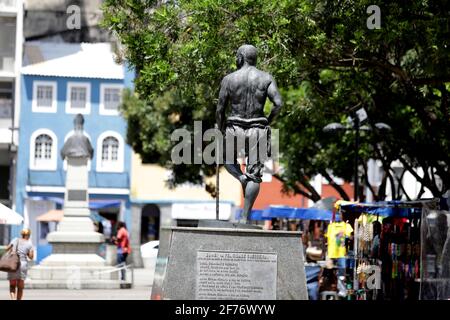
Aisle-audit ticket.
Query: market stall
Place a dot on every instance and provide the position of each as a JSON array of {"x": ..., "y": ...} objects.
[{"x": 396, "y": 245}]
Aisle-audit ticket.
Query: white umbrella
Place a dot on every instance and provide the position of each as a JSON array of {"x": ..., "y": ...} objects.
[{"x": 8, "y": 216}]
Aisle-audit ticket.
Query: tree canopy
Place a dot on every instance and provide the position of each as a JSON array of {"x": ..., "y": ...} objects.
[{"x": 327, "y": 63}]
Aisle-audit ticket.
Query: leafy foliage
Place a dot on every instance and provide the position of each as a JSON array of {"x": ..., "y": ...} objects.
[{"x": 327, "y": 64}]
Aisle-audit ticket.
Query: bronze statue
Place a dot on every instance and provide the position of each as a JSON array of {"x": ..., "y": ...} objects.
[
  {"x": 246, "y": 90},
  {"x": 78, "y": 145}
]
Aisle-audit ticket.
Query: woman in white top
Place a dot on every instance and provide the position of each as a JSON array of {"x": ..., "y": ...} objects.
[{"x": 25, "y": 251}]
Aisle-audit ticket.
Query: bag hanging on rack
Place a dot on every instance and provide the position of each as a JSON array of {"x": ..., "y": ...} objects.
[{"x": 10, "y": 261}]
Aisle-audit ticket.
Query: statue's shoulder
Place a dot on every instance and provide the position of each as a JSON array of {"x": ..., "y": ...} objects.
[
  {"x": 228, "y": 77},
  {"x": 264, "y": 74}
]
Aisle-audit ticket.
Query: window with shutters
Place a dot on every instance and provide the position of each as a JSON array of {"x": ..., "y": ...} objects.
[
  {"x": 78, "y": 98},
  {"x": 44, "y": 96},
  {"x": 110, "y": 99}
]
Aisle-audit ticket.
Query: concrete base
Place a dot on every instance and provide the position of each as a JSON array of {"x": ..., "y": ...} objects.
[
  {"x": 69, "y": 260},
  {"x": 75, "y": 237},
  {"x": 226, "y": 224},
  {"x": 73, "y": 271},
  {"x": 61, "y": 284},
  {"x": 74, "y": 262},
  {"x": 175, "y": 275}
]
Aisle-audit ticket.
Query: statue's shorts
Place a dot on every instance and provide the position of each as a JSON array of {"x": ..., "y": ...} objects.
[{"x": 250, "y": 141}]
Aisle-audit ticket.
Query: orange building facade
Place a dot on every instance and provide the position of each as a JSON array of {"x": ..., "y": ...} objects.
[{"x": 271, "y": 194}]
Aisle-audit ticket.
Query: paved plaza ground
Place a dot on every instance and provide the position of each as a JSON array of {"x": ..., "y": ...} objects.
[{"x": 143, "y": 279}]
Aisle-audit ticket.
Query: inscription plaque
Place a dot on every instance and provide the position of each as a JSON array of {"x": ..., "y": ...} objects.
[
  {"x": 229, "y": 275},
  {"x": 77, "y": 195}
]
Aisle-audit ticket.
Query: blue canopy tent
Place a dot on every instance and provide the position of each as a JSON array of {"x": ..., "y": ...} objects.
[
  {"x": 402, "y": 209},
  {"x": 285, "y": 212}
]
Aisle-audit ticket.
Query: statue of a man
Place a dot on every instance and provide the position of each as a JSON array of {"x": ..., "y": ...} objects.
[
  {"x": 247, "y": 90},
  {"x": 78, "y": 145}
]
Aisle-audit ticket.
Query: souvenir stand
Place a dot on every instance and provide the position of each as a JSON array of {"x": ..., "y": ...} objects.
[{"x": 388, "y": 249}]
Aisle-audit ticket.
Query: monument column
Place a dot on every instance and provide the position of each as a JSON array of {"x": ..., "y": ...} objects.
[
  {"x": 76, "y": 230},
  {"x": 74, "y": 261}
]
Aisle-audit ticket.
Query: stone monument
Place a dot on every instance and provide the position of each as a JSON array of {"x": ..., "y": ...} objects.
[
  {"x": 232, "y": 261},
  {"x": 74, "y": 261}
]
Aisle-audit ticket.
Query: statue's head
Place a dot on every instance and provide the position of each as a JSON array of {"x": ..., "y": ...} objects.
[
  {"x": 246, "y": 53},
  {"x": 78, "y": 122}
]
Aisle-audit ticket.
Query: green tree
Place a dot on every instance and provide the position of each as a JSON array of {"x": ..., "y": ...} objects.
[{"x": 327, "y": 63}]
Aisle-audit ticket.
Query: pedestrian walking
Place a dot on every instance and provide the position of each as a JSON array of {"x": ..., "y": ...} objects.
[
  {"x": 25, "y": 251},
  {"x": 122, "y": 241}
]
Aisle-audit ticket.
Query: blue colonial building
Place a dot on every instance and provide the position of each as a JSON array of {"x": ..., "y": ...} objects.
[{"x": 60, "y": 80}]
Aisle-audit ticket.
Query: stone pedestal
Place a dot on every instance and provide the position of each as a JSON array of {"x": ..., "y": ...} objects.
[
  {"x": 229, "y": 263},
  {"x": 74, "y": 262}
]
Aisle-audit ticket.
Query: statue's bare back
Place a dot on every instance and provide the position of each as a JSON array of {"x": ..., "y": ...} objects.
[{"x": 247, "y": 89}]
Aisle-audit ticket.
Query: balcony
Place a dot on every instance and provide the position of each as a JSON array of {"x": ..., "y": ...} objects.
[
  {"x": 8, "y": 7},
  {"x": 96, "y": 179}
]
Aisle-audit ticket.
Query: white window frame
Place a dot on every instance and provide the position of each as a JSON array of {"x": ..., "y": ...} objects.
[
  {"x": 52, "y": 164},
  {"x": 34, "y": 106},
  {"x": 87, "y": 108},
  {"x": 119, "y": 166},
  {"x": 102, "y": 110},
  {"x": 65, "y": 139}
]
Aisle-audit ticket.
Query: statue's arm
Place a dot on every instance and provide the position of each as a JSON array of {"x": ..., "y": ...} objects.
[
  {"x": 275, "y": 97},
  {"x": 91, "y": 150},
  {"x": 63, "y": 152},
  {"x": 222, "y": 104}
]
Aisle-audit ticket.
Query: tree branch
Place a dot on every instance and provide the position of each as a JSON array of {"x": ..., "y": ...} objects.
[
  {"x": 392, "y": 182},
  {"x": 382, "y": 189},
  {"x": 421, "y": 191},
  {"x": 305, "y": 183},
  {"x": 337, "y": 187},
  {"x": 412, "y": 171},
  {"x": 366, "y": 180},
  {"x": 295, "y": 188},
  {"x": 401, "y": 187}
]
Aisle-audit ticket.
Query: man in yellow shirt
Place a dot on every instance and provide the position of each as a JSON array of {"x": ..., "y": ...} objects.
[{"x": 337, "y": 233}]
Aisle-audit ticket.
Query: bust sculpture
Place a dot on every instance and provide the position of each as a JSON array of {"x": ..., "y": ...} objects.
[
  {"x": 247, "y": 89},
  {"x": 78, "y": 145}
]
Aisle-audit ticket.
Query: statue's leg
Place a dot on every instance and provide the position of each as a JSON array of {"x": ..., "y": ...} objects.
[
  {"x": 250, "y": 195},
  {"x": 233, "y": 133},
  {"x": 235, "y": 171},
  {"x": 253, "y": 172}
]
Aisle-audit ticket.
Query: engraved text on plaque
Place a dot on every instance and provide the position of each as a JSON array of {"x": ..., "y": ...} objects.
[{"x": 236, "y": 275}]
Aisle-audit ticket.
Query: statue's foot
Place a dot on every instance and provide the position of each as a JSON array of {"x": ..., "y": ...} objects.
[
  {"x": 252, "y": 177},
  {"x": 243, "y": 220}
]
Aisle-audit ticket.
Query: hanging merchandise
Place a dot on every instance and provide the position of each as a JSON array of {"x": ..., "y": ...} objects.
[
  {"x": 388, "y": 255},
  {"x": 337, "y": 233}
]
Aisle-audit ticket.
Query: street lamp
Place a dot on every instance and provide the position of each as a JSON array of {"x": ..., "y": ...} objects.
[{"x": 357, "y": 127}]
